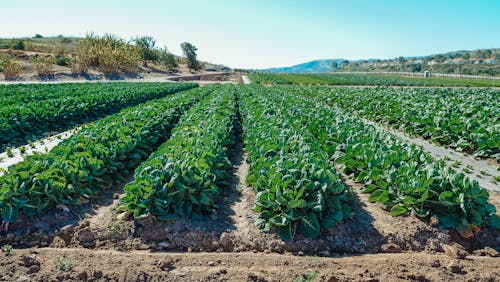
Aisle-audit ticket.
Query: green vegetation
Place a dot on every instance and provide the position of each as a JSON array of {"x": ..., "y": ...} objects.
[
  {"x": 296, "y": 138},
  {"x": 110, "y": 54},
  {"x": 185, "y": 175},
  {"x": 369, "y": 79},
  {"x": 64, "y": 264},
  {"x": 90, "y": 160},
  {"x": 44, "y": 64},
  {"x": 465, "y": 119},
  {"x": 147, "y": 48},
  {"x": 297, "y": 189},
  {"x": 189, "y": 51},
  {"x": 402, "y": 177},
  {"x": 485, "y": 62},
  {"x": 10, "y": 67},
  {"x": 7, "y": 249},
  {"x": 30, "y": 111}
]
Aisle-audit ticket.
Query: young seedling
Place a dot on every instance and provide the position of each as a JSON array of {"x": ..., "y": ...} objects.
[
  {"x": 22, "y": 149},
  {"x": 7, "y": 249},
  {"x": 456, "y": 164},
  {"x": 10, "y": 154},
  {"x": 468, "y": 169},
  {"x": 63, "y": 264}
]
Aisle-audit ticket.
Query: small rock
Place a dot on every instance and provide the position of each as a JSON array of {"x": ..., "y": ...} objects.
[
  {"x": 116, "y": 196},
  {"x": 67, "y": 230},
  {"x": 255, "y": 278},
  {"x": 226, "y": 241},
  {"x": 83, "y": 276},
  {"x": 300, "y": 253},
  {"x": 164, "y": 244},
  {"x": 435, "y": 263},
  {"x": 28, "y": 261},
  {"x": 97, "y": 274},
  {"x": 167, "y": 263},
  {"x": 23, "y": 278},
  {"x": 223, "y": 271},
  {"x": 332, "y": 279},
  {"x": 390, "y": 248},
  {"x": 211, "y": 263},
  {"x": 86, "y": 237},
  {"x": 123, "y": 216},
  {"x": 487, "y": 251},
  {"x": 434, "y": 221},
  {"x": 33, "y": 269},
  {"x": 454, "y": 267},
  {"x": 454, "y": 252}
]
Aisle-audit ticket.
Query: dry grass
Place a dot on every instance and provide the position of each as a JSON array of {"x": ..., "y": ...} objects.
[{"x": 10, "y": 67}]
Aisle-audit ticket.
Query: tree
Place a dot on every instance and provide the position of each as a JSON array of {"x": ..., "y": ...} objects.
[
  {"x": 189, "y": 51},
  {"x": 168, "y": 59},
  {"x": 466, "y": 57},
  {"x": 18, "y": 45},
  {"x": 334, "y": 65},
  {"x": 146, "y": 45}
]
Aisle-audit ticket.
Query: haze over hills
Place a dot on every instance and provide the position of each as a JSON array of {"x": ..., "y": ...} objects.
[
  {"x": 325, "y": 65},
  {"x": 478, "y": 62}
]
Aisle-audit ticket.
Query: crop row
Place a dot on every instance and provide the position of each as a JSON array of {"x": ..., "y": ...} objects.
[
  {"x": 100, "y": 153},
  {"x": 402, "y": 177},
  {"x": 297, "y": 189},
  {"x": 185, "y": 175},
  {"x": 465, "y": 119},
  {"x": 368, "y": 79},
  {"x": 22, "y": 121}
]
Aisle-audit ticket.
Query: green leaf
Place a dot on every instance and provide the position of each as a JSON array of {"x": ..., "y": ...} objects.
[
  {"x": 398, "y": 210},
  {"x": 493, "y": 221},
  {"x": 9, "y": 213},
  {"x": 287, "y": 232},
  {"x": 309, "y": 226}
]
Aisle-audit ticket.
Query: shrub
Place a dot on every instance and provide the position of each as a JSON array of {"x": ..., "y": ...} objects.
[
  {"x": 11, "y": 67},
  {"x": 110, "y": 54},
  {"x": 44, "y": 64},
  {"x": 18, "y": 45},
  {"x": 168, "y": 59}
]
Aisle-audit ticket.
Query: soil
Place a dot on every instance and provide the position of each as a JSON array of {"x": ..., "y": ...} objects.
[{"x": 49, "y": 264}]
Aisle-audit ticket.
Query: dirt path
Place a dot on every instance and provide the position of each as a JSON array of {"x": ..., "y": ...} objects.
[
  {"x": 41, "y": 146},
  {"x": 480, "y": 170},
  {"x": 245, "y": 79},
  {"x": 46, "y": 264}
]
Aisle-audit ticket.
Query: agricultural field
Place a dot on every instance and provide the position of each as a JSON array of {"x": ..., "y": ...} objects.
[
  {"x": 29, "y": 112},
  {"x": 370, "y": 80},
  {"x": 292, "y": 172}
]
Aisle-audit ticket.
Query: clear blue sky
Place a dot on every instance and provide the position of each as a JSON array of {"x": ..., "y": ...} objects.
[{"x": 266, "y": 33}]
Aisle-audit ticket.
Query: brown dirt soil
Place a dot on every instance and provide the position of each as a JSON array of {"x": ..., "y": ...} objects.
[
  {"x": 49, "y": 264},
  {"x": 105, "y": 244}
]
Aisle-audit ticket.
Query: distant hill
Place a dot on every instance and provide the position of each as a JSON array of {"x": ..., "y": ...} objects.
[
  {"x": 476, "y": 62},
  {"x": 309, "y": 67}
]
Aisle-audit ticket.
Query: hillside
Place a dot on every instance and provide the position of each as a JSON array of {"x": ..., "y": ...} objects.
[
  {"x": 325, "y": 65},
  {"x": 476, "y": 62},
  {"x": 60, "y": 58}
]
